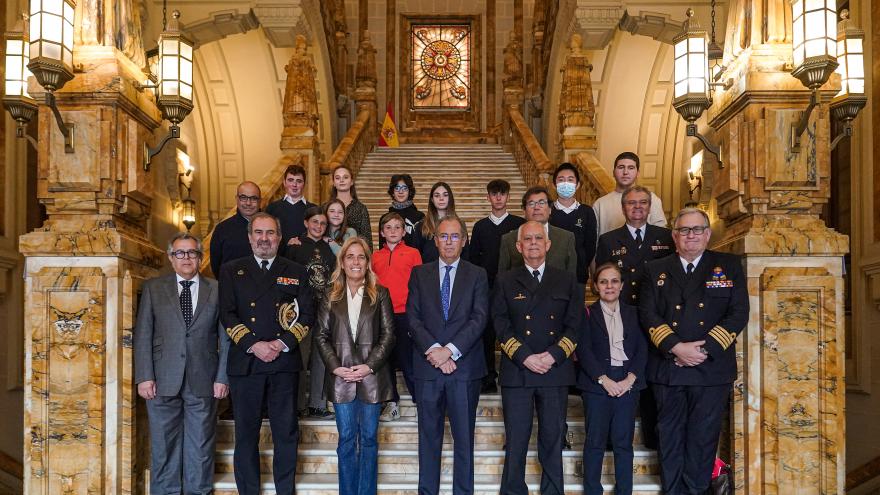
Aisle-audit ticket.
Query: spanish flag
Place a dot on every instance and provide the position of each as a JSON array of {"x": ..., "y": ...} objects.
[{"x": 388, "y": 134}]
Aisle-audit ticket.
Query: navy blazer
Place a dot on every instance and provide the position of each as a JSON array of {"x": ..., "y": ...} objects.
[
  {"x": 594, "y": 354},
  {"x": 468, "y": 313}
]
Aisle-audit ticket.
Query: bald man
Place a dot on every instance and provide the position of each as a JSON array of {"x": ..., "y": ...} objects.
[{"x": 230, "y": 239}]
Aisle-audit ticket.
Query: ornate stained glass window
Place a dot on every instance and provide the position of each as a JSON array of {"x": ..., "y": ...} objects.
[{"x": 441, "y": 66}]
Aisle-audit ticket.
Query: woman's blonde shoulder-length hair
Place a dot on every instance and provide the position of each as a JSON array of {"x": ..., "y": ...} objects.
[{"x": 337, "y": 279}]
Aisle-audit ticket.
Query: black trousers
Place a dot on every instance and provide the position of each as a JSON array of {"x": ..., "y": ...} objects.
[
  {"x": 438, "y": 399},
  {"x": 279, "y": 391},
  {"x": 689, "y": 424},
  {"x": 402, "y": 357},
  {"x": 648, "y": 412},
  {"x": 489, "y": 353},
  {"x": 520, "y": 404}
]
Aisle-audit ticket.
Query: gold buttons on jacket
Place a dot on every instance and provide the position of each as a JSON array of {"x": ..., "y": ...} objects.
[
  {"x": 675, "y": 323},
  {"x": 678, "y": 306},
  {"x": 528, "y": 317},
  {"x": 633, "y": 296},
  {"x": 632, "y": 270},
  {"x": 253, "y": 319},
  {"x": 701, "y": 305},
  {"x": 528, "y": 332},
  {"x": 633, "y": 282},
  {"x": 253, "y": 304},
  {"x": 551, "y": 317},
  {"x": 552, "y": 332},
  {"x": 701, "y": 323}
]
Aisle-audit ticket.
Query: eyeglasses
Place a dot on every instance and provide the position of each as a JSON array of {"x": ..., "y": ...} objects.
[
  {"x": 685, "y": 231},
  {"x": 449, "y": 237},
  {"x": 540, "y": 202},
  {"x": 642, "y": 202},
  {"x": 401, "y": 187},
  {"x": 191, "y": 254},
  {"x": 248, "y": 199}
]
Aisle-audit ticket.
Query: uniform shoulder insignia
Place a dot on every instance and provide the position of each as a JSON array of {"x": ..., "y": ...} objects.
[{"x": 519, "y": 297}]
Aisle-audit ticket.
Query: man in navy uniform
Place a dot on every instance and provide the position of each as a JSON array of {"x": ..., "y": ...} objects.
[
  {"x": 693, "y": 306},
  {"x": 266, "y": 306},
  {"x": 631, "y": 246},
  {"x": 537, "y": 310}
]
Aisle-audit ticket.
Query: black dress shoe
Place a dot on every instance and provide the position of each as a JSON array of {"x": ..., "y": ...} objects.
[{"x": 317, "y": 413}]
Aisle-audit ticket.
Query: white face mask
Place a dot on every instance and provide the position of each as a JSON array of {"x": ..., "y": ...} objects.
[{"x": 565, "y": 189}]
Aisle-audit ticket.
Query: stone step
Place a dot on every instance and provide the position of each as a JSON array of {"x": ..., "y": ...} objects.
[
  {"x": 407, "y": 484},
  {"x": 403, "y": 459},
  {"x": 489, "y": 432},
  {"x": 488, "y": 407}
]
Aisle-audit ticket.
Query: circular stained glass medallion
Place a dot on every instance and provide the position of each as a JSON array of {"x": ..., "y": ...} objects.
[{"x": 440, "y": 60}]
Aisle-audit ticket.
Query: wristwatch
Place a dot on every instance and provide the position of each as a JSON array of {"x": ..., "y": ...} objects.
[{"x": 599, "y": 381}]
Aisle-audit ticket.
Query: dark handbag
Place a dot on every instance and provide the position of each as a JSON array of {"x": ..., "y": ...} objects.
[{"x": 722, "y": 484}]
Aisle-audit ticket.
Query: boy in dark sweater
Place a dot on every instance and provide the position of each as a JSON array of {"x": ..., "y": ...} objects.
[
  {"x": 290, "y": 210},
  {"x": 574, "y": 217},
  {"x": 484, "y": 248}
]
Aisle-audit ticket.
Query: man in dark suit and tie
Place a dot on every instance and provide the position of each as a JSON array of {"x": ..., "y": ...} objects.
[
  {"x": 693, "y": 305},
  {"x": 537, "y": 310},
  {"x": 266, "y": 306},
  {"x": 447, "y": 310},
  {"x": 180, "y": 369}
]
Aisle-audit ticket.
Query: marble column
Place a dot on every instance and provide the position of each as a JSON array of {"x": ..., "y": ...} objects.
[
  {"x": 83, "y": 429},
  {"x": 787, "y": 417}
]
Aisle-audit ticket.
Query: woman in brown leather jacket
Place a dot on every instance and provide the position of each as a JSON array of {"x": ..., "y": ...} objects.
[{"x": 355, "y": 338}]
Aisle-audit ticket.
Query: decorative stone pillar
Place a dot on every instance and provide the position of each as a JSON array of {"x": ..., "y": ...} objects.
[
  {"x": 788, "y": 406},
  {"x": 299, "y": 138},
  {"x": 577, "y": 112},
  {"x": 82, "y": 429}
]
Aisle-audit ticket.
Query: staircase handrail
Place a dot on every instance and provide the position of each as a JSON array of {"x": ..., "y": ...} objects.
[
  {"x": 596, "y": 181},
  {"x": 354, "y": 147},
  {"x": 533, "y": 163}
]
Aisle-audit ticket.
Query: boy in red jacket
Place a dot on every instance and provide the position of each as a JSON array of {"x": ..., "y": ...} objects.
[{"x": 393, "y": 265}]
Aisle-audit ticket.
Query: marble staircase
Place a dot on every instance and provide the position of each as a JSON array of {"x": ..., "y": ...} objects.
[
  {"x": 466, "y": 168},
  {"x": 398, "y": 455}
]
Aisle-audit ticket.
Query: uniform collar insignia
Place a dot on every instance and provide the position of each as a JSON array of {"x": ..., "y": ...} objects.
[{"x": 519, "y": 297}]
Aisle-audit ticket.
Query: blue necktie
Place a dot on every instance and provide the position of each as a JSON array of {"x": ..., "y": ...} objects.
[{"x": 444, "y": 292}]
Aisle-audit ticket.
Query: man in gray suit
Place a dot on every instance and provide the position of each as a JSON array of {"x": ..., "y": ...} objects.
[
  {"x": 180, "y": 369},
  {"x": 562, "y": 254}
]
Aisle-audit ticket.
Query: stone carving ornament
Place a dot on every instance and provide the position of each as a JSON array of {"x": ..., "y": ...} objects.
[
  {"x": 300, "y": 98},
  {"x": 576, "y": 105},
  {"x": 366, "y": 74},
  {"x": 513, "y": 66}
]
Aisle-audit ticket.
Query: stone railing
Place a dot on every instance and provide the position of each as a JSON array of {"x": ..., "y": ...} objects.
[
  {"x": 352, "y": 150},
  {"x": 533, "y": 163},
  {"x": 595, "y": 180}
]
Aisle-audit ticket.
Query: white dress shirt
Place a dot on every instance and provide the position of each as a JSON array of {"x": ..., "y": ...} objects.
[
  {"x": 302, "y": 199},
  {"x": 354, "y": 309},
  {"x": 193, "y": 289},
  {"x": 566, "y": 209},
  {"x": 498, "y": 220},
  {"x": 540, "y": 270},
  {"x": 684, "y": 263},
  {"x": 454, "y": 350},
  {"x": 632, "y": 230}
]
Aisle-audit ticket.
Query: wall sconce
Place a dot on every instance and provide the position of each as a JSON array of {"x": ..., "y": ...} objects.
[
  {"x": 692, "y": 86},
  {"x": 851, "y": 57},
  {"x": 695, "y": 173},
  {"x": 174, "y": 82},
  {"x": 814, "y": 50},
  {"x": 16, "y": 98},
  {"x": 189, "y": 213},
  {"x": 51, "y": 53}
]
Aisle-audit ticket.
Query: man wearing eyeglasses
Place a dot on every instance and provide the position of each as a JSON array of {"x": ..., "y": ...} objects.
[
  {"x": 180, "y": 370},
  {"x": 562, "y": 254},
  {"x": 447, "y": 308},
  {"x": 632, "y": 246},
  {"x": 693, "y": 306},
  {"x": 230, "y": 240}
]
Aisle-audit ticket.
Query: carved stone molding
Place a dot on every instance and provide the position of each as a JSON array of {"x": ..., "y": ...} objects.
[
  {"x": 282, "y": 21},
  {"x": 652, "y": 24},
  {"x": 219, "y": 25},
  {"x": 597, "y": 21}
]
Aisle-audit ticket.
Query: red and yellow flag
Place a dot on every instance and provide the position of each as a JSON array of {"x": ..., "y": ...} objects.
[{"x": 388, "y": 134}]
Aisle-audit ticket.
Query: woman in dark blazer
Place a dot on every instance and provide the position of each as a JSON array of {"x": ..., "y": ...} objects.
[
  {"x": 612, "y": 354},
  {"x": 355, "y": 338}
]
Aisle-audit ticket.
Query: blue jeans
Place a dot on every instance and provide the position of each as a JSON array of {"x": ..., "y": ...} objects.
[{"x": 358, "y": 448}]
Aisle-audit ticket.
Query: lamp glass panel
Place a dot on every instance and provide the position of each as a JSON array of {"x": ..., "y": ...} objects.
[
  {"x": 14, "y": 68},
  {"x": 14, "y": 47},
  {"x": 35, "y": 23},
  {"x": 696, "y": 44},
  {"x": 857, "y": 86},
  {"x": 797, "y": 9},
  {"x": 68, "y": 13},
  {"x": 831, "y": 26},
  {"x": 53, "y": 6},
  {"x": 855, "y": 64},
  {"x": 68, "y": 57},
  {"x": 797, "y": 35},
  {"x": 814, "y": 48},
  {"x": 680, "y": 69},
  {"x": 854, "y": 45},
  {"x": 51, "y": 50},
  {"x": 36, "y": 5},
  {"x": 13, "y": 88},
  {"x": 815, "y": 25},
  {"x": 696, "y": 63},
  {"x": 697, "y": 85},
  {"x": 186, "y": 91},
  {"x": 169, "y": 47},
  {"x": 186, "y": 75},
  {"x": 52, "y": 29},
  {"x": 814, "y": 5},
  {"x": 186, "y": 51},
  {"x": 681, "y": 48},
  {"x": 170, "y": 88},
  {"x": 170, "y": 69}
]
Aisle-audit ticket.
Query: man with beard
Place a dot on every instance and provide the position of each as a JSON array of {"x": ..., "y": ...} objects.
[{"x": 267, "y": 308}]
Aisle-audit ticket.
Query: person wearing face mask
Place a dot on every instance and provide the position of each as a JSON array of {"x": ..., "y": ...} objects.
[{"x": 574, "y": 217}]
